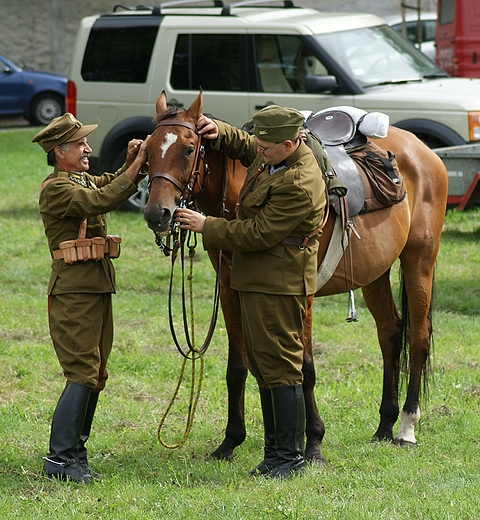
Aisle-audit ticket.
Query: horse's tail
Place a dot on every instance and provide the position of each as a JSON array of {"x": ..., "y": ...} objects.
[{"x": 405, "y": 325}]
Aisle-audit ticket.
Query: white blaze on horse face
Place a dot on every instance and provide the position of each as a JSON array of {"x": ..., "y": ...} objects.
[{"x": 167, "y": 142}]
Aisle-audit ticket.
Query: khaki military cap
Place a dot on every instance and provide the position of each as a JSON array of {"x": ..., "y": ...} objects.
[
  {"x": 63, "y": 129},
  {"x": 276, "y": 124}
]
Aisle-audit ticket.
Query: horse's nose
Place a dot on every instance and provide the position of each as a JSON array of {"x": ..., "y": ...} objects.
[{"x": 158, "y": 218}]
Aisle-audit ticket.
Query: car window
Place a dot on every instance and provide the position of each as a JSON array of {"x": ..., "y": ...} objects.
[
  {"x": 428, "y": 30},
  {"x": 118, "y": 52},
  {"x": 374, "y": 55},
  {"x": 447, "y": 12},
  {"x": 283, "y": 62},
  {"x": 429, "y": 27},
  {"x": 207, "y": 61}
]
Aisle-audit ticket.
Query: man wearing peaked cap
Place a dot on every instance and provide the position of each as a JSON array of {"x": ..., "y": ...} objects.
[
  {"x": 73, "y": 206},
  {"x": 274, "y": 266},
  {"x": 63, "y": 129},
  {"x": 276, "y": 123}
]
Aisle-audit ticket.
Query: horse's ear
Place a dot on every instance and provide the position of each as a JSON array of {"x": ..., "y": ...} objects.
[
  {"x": 161, "y": 104},
  {"x": 196, "y": 107}
]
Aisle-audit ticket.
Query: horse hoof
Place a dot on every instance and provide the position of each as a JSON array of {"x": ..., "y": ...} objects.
[
  {"x": 384, "y": 438},
  {"x": 220, "y": 455},
  {"x": 404, "y": 444},
  {"x": 314, "y": 456},
  {"x": 320, "y": 460}
]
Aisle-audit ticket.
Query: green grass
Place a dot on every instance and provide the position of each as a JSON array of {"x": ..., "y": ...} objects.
[{"x": 439, "y": 479}]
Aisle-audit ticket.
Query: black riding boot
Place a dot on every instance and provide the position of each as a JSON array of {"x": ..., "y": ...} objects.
[
  {"x": 63, "y": 460},
  {"x": 87, "y": 427},
  {"x": 289, "y": 413},
  {"x": 269, "y": 461}
]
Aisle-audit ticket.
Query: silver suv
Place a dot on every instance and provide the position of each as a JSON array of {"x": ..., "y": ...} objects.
[{"x": 245, "y": 57}]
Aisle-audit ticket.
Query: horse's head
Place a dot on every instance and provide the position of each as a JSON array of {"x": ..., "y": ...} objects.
[{"x": 173, "y": 157}]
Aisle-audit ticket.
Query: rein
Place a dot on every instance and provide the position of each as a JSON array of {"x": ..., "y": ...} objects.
[{"x": 182, "y": 239}]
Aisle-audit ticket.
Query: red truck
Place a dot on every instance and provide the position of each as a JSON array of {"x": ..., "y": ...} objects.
[
  {"x": 457, "y": 42},
  {"x": 457, "y": 37}
]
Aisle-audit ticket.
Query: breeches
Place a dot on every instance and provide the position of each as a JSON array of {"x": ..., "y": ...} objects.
[
  {"x": 81, "y": 327},
  {"x": 272, "y": 327}
]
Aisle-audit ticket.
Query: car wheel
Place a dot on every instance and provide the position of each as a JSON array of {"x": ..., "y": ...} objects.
[
  {"x": 44, "y": 108},
  {"x": 137, "y": 201},
  {"x": 433, "y": 142}
]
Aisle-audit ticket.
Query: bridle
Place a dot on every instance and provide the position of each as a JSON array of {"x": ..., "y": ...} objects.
[{"x": 186, "y": 190}]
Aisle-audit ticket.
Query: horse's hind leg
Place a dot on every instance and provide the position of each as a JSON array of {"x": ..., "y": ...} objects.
[
  {"x": 418, "y": 268},
  {"x": 315, "y": 427},
  {"x": 379, "y": 300}
]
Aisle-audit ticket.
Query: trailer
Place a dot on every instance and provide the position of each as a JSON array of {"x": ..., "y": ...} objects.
[{"x": 463, "y": 167}]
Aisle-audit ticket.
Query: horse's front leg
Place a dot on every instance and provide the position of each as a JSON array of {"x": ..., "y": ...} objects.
[
  {"x": 235, "y": 432},
  {"x": 379, "y": 300},
  {"x": 315, "y": 428}
]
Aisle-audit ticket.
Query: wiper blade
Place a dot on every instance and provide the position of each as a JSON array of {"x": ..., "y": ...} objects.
[
  {"x": 436, "y": 75},
  {"x": 394, "y": 82}
]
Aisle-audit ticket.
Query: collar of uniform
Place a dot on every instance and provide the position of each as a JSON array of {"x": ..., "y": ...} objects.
[
  {"x": 293, "y": 158},
  {"x": 78, "y": 177},
  {"x": 277, "y": 167}
]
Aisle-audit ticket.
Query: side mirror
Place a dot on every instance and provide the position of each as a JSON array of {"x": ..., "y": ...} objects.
[{"x": 320, "y": 83}]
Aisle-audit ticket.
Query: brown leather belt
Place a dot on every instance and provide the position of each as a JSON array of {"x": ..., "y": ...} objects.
[{"x": 298, "y": 241}]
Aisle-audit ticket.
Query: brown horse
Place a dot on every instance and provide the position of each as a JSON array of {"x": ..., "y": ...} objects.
[{"x": 409, "y": 231}]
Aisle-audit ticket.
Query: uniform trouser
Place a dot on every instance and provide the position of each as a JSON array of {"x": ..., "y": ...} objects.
[
  {"x": 81, "y": 327},
  {"x": 272, "y": 328}
]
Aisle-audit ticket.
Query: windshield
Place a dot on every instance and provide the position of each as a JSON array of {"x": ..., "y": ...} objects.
[{"x": 377, "y": 55}]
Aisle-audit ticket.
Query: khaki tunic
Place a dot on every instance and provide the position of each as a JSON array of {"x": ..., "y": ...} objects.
[
  {"x": 80, "y": 313},
  {"x": 289, "y": 202}
]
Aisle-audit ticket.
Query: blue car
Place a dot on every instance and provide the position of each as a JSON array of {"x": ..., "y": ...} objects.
[{"x": 37, "y": 96}]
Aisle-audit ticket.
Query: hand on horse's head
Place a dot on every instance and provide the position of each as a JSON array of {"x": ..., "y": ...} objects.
[
  {"x": 137, "y": 159},
  {"x": 136, "y": 148},
  {"x": 207, "y": 127}
]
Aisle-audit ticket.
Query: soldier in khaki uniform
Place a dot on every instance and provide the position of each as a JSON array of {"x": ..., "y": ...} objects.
[
  {"x": 81, "y": 281},
  {"x": 274, "y": 266}
]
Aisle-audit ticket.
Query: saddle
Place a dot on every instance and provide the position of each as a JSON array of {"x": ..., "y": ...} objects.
[
  {"x": 340, "y": 136},
  {"x": 370, "y": 174}
]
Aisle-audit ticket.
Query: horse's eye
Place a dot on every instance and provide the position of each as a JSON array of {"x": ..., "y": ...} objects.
[{"x": 190, "y": 150}]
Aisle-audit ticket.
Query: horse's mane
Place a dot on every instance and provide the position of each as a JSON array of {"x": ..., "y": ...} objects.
[{"x": 169, "y": 112}]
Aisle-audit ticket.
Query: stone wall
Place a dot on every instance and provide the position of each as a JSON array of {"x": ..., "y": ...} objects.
[{"x": 40, "y": 33}]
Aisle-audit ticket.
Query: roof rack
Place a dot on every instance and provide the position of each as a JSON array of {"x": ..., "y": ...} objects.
[
  {"x": 285, "y": 4},
  {"x": 127, "y": 8},
  {"x": 156, "y": 10}
]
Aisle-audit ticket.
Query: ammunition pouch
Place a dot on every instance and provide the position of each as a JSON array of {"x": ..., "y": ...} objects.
[
  {"x": 83, "y": 249},
  {"x": 113, "y": 242}
]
